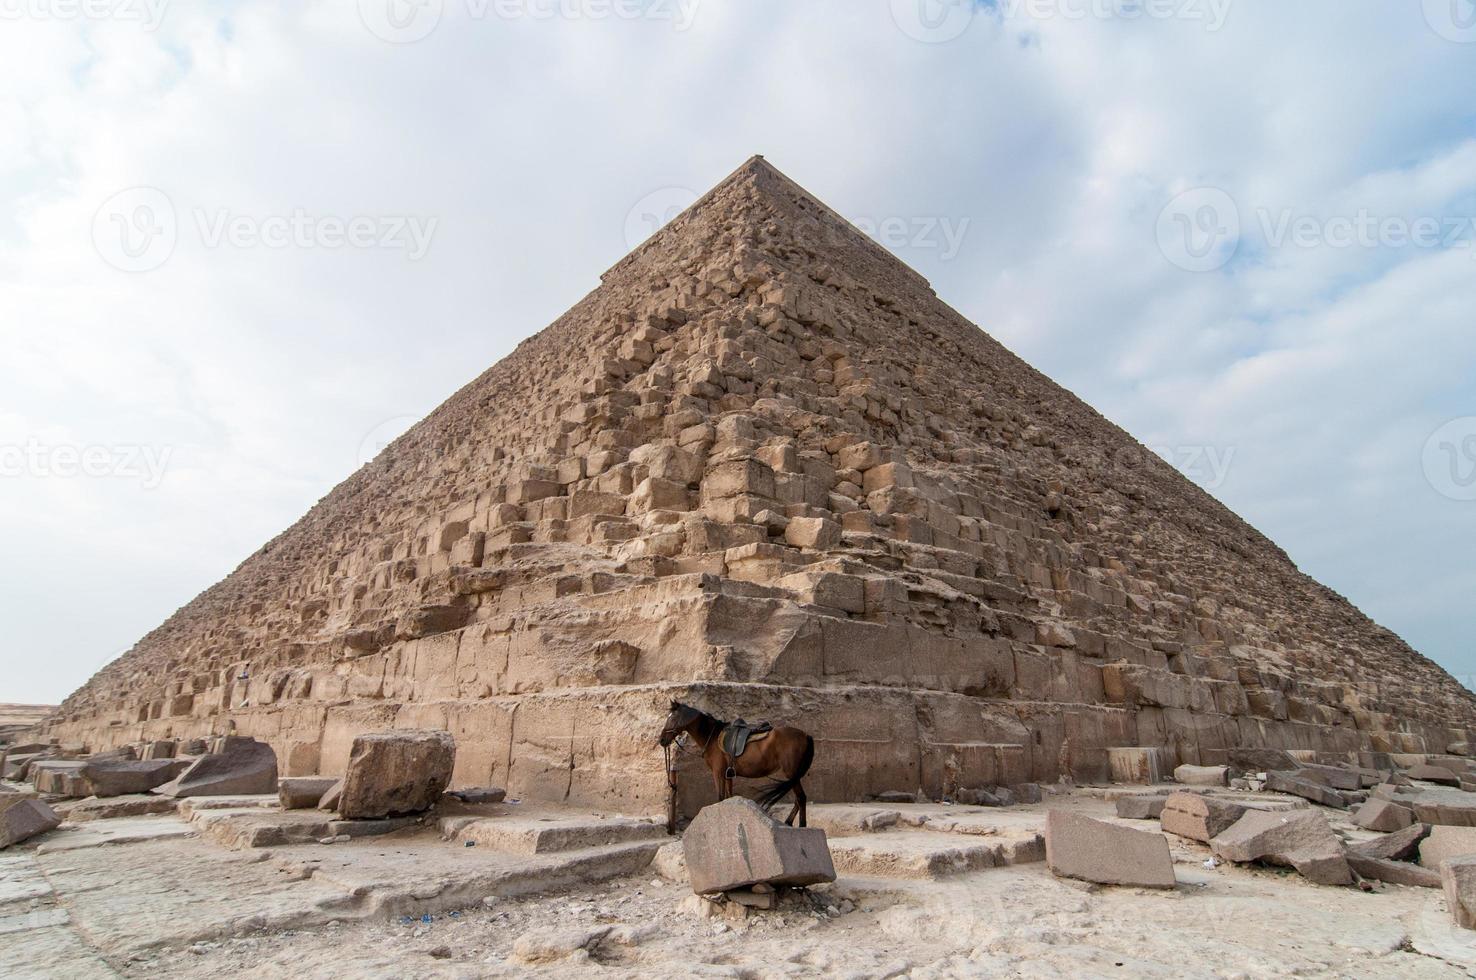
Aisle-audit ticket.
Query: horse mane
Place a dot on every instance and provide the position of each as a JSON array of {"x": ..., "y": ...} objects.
[{"x": 689, "y": 714}]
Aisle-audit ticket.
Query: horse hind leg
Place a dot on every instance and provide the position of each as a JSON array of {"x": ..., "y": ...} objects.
[{"x": 799, "y": 807}]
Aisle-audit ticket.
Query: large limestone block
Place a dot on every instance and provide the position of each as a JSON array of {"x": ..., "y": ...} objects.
[
  {"x": 1458, "y": 876},
  {"x": 1384, "y": 816},
  {"x": 1394, "y": 872},
  {"x": 303, "y": 792},
  {"x": 818, "y": 533},
  {"x": 1199, "y": 817},
  {"x": 121, "y": 777},
  {"x": 1202, "y": 775},
  {"x": 1447, "y": 842},
  {"x": 1290, "y": 782},
  {"x": 734, "y": 844},
  {"x": 59, "y": 777},
  {"x": 1140, "y": 806},
  {"x": 1401, "y": 845},
  {"x": 395, "y": 773},
  {"x": 25, "y": 819},
  {"x": 242, "y": 767},
  {"x": 1298, "y": 839},
  {"x": 1260, "y": 760},
  {"x": 1434, "y": 774},
  {"x": 1093, "y": 850}
]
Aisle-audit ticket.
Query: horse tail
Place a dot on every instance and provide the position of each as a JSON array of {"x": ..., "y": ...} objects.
[{"x": 779, "y": 790}]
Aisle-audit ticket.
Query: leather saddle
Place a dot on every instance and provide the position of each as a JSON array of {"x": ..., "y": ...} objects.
[{"x": 739, "y": 733}]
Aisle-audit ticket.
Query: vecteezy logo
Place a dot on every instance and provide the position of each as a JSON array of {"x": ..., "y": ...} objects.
[
  {"x": 1454, "y": 20},
  {"x": 1450, "y": 459},
  {"x": 933, "y": 21},
  {"x": 1199, "y": 230},
  {"x": 401, "y": 21},
  {"x": 135, "y": 230},
  {"x": 652, "y": 212}
]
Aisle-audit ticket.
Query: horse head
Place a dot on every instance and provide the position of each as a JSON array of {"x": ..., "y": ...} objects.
[{"x": 681, "y": 716}]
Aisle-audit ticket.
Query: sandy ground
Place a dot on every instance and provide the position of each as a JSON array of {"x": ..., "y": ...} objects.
[{"x": 183, "y": 906}]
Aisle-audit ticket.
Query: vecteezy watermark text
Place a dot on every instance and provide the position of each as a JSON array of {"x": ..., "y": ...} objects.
[
  {"x": 34, "y": 458},
  {"x": 940, "y": 21},
  {"x": 148, "y": 14},
  {"x": 1202, "y": 229},
  {"x": 136, "y": 230},
  {"x": 409, "y": 233},
  {"x": 408, "y": 21}
]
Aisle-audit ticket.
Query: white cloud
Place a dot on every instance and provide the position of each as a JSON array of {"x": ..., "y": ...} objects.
[{"x": 1060, "y": 141}]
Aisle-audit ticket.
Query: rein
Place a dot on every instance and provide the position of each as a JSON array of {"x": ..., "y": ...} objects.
[{"x": 670, "y": 752}]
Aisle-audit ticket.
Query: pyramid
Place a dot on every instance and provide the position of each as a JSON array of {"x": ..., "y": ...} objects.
[{"x": 764, "y": 469}]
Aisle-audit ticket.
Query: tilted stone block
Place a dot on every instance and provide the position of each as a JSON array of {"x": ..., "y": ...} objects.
[
  {"x": 1093, "y": 850},
  {"x": 734, "y": 844}
]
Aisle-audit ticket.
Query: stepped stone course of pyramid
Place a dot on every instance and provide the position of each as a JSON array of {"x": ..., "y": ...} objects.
[{"x": 764, "y": 469}]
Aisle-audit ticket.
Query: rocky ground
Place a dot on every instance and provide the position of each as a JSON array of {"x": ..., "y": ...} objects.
[{"x": 163, "y": 895}]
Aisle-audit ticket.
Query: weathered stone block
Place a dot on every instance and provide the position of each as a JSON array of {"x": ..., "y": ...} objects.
[
  {"x": 734, "y": 844},
  {"x": 303, "y": 792},
  {"x": 1458, "y": 876},
  {"x": 120, "y": 777},
  {"x": 1298, "y": 839},
  {"x": 25, "y": 819},
  {"x": 1383, "y": 816},
  {"x": 1447, "y": 842},
  {"x": 1093, "y": 850},
  {"x": 1202, "y": 775},
  {"x": 395, "y": 773},
  {"x": 812, "y": 532},
  {"x": 242, "y": 767},
  {"x": 1140, "y": 806},
  {"x": 1199, "y": 817}
]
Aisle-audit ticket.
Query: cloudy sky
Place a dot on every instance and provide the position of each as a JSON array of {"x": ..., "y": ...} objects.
[{"x": 242, "y": 245}]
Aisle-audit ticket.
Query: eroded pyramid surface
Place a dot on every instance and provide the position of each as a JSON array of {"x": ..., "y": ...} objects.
[{"x": 763, "y": 469}]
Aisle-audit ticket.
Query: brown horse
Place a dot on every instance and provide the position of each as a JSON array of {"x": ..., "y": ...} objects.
[{"x": 787, "y": 751}]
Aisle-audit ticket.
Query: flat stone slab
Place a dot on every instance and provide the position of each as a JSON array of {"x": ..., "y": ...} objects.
[
  {"x": 51, "y": 949},
  {"x": 166, "y": 892},
  {"x": 128, "y": 830},
  {"x": 922, "y": 854},
  {"x": 417, "y": 874},
  {"x": 1442, "y": 806},
  {"x": 257, "y": 827},
  {"x": 114, "y": 807},
  {"x": 542, "y": 835},
  {"x": 191, "y": 805},
  {"x": 21, "y": 882}
]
